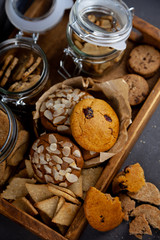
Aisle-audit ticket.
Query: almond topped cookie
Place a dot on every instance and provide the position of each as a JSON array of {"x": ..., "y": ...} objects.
[
  {"x": 56, "y": 109},
  {"x": 56, "y": 159}
]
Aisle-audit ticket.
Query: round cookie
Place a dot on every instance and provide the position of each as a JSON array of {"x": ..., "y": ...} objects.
[
  {"x": 56, "y": 159},
  {"x": 144, "y": 60},
  {"x": 56, "y": 109},
  {"x": 102, "y": 211},
  {"x": 94, "y": 125},
  {"x": 138, "y": 88}
]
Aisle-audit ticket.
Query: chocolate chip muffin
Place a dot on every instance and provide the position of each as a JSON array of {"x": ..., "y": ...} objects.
[
  {"x": 56, "y": 159},
  {"x": 56, "y": 109},
  {"x": 144, "y": 60},
  {"x": 94, "y": 125}
]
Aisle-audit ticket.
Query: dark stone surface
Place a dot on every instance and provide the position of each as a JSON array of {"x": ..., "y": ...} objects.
[{"x": 146, "y": 151}]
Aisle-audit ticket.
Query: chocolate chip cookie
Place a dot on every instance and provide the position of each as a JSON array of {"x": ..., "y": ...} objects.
[
  {"x": 144, "y": 60},
  {"x": 138, "y": 88},
  {"x": 94, "y": 125},
  {"x": 56, "y": 109}
]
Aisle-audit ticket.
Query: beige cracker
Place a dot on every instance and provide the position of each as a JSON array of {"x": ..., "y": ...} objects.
[
  {"x": 6, "y": 62},
  {"x": 8, "y": 72},
  {"x": 32, "y": 68}
]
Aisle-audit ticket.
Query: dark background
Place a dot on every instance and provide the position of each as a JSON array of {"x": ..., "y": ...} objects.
[{"x": 146, "y": 151}]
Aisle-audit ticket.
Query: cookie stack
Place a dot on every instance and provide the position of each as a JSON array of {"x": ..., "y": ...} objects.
[{"x": 143, "y": 63}]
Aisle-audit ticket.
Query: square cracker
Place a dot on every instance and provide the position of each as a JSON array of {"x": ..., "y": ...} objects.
[
  {"x": 66, "y": 214},
  {"x": 48, "y": 206},
  {"x": 90, "y": 177},
  {"x": 63, "y": 189},
  {"x": 19, "y": 149},
  {"x": 16, "y": 188},
  {"x": 76, "y": 187},
  {"x": 7, "y": 172},
  {"x": 29, "y": 168},
  {"x": 38, "y": 192},
  {"x": 60, "y": 193},
  {"x": 59, "y": 204},
  {"x": 25, "y": 205}
]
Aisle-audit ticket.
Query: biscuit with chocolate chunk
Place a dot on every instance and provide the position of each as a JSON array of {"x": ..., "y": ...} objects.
[
  {"x": 138, "y": 88},
  {"x": 94, "y": 125},
  {"x": 144, "y": 60},
  {"x": 131, "y": 179},
  {"x": 102, "y": 211}
]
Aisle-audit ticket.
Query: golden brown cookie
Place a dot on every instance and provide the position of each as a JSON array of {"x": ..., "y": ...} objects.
[
  {"x": 56, "y": 159},
  {"x": 56, "y": 109},
  {"x": 138, "y": 88},
  {"x": 94, "y": 125},
  {"x": 144, "y": 60},
  {"x": 102, "y": 211},
  {"x": 131, "y": 179}
]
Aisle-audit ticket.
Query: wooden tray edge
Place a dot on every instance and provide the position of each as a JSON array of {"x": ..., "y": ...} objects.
[
  {"x": 32, "y": 224},
  {"x": 116, "y": 162},
  {"x": 78, "y": 226},
  {"x": 147, "y": 32}
]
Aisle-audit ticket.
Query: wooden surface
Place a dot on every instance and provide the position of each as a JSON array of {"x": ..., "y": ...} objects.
[{"x": 53, "y": 42}]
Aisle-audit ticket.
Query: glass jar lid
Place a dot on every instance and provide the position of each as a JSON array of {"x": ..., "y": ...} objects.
[
  {"x": 86, "y": 29},
  {"x": 51, "y": 13}
]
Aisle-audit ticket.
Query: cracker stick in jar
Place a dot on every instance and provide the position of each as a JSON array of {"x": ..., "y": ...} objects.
[
  {"x": 32, "y": 68},
  {"x": 6, "y": 62},
  {"x": 27, "y": 63},
  {"x": 28, "y": 82},
  {"x": 8, "y": 72}
]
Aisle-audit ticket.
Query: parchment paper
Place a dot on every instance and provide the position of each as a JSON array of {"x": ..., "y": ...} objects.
[{"x": 116, "y": 91}]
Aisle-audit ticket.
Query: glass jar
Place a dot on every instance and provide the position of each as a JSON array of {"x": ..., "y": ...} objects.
[
  {"x": 20, "y": 48},
  {"x": 96, "y": 33},
  {"x": 8, "y": 133},
  {"x": 24, "y": 67}
]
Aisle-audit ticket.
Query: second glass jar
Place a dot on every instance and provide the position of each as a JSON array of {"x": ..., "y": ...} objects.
[{"x": 96, "y": 33}]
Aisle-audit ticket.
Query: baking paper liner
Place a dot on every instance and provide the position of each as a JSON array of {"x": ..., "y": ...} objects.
[{"x": 115, "y": 91}]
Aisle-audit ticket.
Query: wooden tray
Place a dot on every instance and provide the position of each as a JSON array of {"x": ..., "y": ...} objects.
[{"x": 53, "y": 42}]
